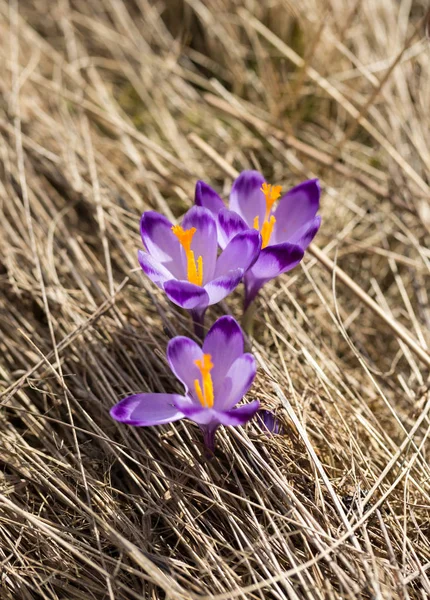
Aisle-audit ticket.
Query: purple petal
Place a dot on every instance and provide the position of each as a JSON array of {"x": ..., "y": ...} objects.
[
  {"x": 208, "y": 198},
  {"x": 276, "y": 259},
  {"x": 242, "y": 252},
  {"x": 237, "y": 382},
  {"x": 268, "y": 422},
  {"x": 252, "y": 287},
  {"x": 238, "y": 416},
  {"x": 222, "y": 286},
  {"x": 181, "y": 354},
  {"x": 143, "y": 410},
  {"x": 304, "y": 236},
  {"x": 161, "y": 243},
  {"x": 247, "y": 199},
  {"x": 205, "y": 240},
  {"x": 229, "y": 225},
  {"x": 185, "y": 294},
  {"x": 272, "y": 261},
  {"x": 197, "y": 413},
  {"x": 224, "y": 342},
  {"x": 295, "y": 208},
  {"x": 153, "y": 269}
]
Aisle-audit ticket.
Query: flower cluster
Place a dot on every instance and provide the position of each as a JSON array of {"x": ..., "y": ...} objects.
[
  {"x": 261, "y": 234},
  {"x": 215, "y": 376}
]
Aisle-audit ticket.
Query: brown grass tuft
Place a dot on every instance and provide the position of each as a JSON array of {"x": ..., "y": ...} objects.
[{"x": 112, "y": 107}]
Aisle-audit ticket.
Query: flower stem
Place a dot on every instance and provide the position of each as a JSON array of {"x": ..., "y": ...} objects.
[
  {"x": 209, "y": 440},
  {"x": 248, "y": 318},
  {"x": 198, "y": 317},
  {"x": 252, "y": 287}
]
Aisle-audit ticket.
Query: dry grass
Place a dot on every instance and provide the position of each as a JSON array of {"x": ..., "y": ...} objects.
[{"x": 112, "y": 107}]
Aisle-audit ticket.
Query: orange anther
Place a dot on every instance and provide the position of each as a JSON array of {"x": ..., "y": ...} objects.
[
  {"x": 205, "y": 366},
  {"x": 194, "y": 269}
]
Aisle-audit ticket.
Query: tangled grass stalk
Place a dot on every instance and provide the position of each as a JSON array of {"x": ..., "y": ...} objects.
[{"x": 112, "y": 107}]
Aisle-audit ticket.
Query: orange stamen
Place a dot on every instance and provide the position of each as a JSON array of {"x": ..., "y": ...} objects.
[
  {"x": 267, "y": 230},
  {"x": 205, "y": 367},
  {"x": 271, "y": 194},
  {"x": 194, "y": 268}
]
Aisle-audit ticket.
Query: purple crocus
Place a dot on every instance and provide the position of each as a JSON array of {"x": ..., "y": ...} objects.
[
  {"x": 286, "y": 231},
  {"x": 268, "y": 421},
  {"x": 183, "y": 261},
  {"x": 216, "y": 376}
]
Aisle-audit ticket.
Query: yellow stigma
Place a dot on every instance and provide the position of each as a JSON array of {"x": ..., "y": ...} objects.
[
  {"x": 205, "y": 367},
  {"x": 271, "y": 194},
  {"x": 266, "y": 231},
  {"x": 194, "y": 268}
]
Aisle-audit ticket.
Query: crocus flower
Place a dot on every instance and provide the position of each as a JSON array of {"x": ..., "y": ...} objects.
[
  {"x": 215, "y": 376},
  {"x": 268, "y": 421},
  {"x": 286, "y": 230},
  {"x": 182, "y": 259}
]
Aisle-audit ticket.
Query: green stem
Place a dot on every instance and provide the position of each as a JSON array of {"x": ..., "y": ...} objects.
[
  {"x": 248, "y": 319},
  {"x": 198, "y": 323}
]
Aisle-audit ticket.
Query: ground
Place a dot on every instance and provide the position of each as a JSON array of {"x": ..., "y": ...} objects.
[{"x": 109, "y": 108}]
